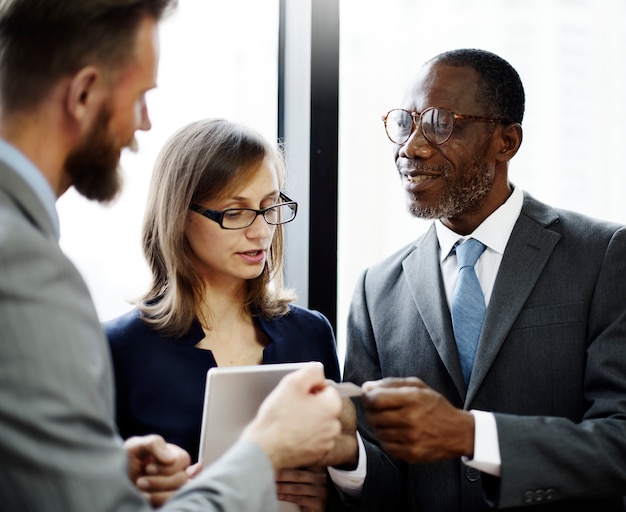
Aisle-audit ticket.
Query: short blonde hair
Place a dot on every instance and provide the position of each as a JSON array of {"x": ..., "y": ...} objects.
[{"x": 203, "y": 160}]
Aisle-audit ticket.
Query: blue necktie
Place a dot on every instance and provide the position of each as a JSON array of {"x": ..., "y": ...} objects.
[{"x": 468, "y": 304}]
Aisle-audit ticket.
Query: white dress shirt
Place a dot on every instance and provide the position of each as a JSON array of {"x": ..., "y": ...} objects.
[{"x": 494, "y": 233}]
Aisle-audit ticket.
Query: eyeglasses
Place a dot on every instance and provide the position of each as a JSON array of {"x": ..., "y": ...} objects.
[
  {"x": 240, "y": 218},
  {"x": 437, "y": 124}
]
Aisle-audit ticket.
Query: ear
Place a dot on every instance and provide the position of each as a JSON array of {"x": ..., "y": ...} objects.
[
  {"x": 82, "y": 92},
  {"x": 509, "y": 141}
]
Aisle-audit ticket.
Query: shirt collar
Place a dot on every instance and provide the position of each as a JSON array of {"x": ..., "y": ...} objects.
[
  {"x": 34, "y": 178},
  {"x": 493, "y": 232}
]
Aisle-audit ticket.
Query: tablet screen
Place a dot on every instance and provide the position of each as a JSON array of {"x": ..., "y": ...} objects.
[{"x": 232, "y": 397}]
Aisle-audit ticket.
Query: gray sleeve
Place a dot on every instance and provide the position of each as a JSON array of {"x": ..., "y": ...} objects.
[
  {"x": 242, "y": 480},
  {"x": 59, "y": 449}
]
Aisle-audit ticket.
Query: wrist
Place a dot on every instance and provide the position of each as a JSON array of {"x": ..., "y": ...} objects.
[
  {"x": 467, "y": 434},
  {"x": 348, "y": 465}
]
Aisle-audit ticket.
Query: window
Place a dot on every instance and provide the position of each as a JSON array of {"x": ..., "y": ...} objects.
[
  {"x": 218, "y": 59},
  {"x": 570, "y": 56}
]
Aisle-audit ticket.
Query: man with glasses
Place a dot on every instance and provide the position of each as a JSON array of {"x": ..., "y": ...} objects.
[{"x": 494, "y": 345}]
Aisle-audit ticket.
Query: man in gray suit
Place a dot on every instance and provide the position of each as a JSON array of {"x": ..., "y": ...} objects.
[
  {"x": 73, "y": 78},
  {"x": 535, "y": 414}
]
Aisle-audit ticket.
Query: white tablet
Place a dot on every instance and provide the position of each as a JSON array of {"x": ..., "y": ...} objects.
[
  {"x": 231, "y": 400},
  {"x": 232, "y": 397}
]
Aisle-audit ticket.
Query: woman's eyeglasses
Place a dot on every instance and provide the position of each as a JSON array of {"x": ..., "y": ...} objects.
[{"x": 240, "y": 218}]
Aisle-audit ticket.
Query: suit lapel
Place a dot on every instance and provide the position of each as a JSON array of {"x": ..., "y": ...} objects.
[
  {"x": 525, "y": 257},
  {"x": 423, "y": 275}
]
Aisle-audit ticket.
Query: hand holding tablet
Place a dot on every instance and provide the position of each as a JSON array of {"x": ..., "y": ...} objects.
[{"x": 291, "y": 427}]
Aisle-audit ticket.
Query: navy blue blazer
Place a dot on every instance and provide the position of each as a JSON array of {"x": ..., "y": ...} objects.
[{"x": 160, "y": 380}]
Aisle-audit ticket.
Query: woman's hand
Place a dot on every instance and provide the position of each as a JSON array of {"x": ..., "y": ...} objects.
[{"x": 306, "y": 487}]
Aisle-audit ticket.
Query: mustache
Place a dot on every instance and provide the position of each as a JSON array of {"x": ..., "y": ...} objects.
[{"x": 409, "y": 167}]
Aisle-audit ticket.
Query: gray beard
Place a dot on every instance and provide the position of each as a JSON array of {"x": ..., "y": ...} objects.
[{"x": 461, "y": 196}]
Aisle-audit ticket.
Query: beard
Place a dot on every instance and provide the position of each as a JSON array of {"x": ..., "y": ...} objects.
[
  {"x": 93, "y": 166},
  {"x": 463, "y": 193}
]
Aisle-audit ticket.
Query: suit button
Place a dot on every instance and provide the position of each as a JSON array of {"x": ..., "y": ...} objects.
[
  {"x": 548, "y": 495},
  {"x": 528, "y": 497},
  {"x": 472, "y": 474},
  {"x": 539, "y": 495}
]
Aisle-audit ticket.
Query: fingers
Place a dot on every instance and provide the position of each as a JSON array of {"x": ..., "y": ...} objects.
[
  {"x": 310, "y": 379},
  {"x": 178, "y": 467},
  {"x": 305, "y": 487},
  {"x": 401, "y": 408},
  {"x": 157, "y": 468},
  {"x": 393, "y": 398},
  {"x": 348, "y": 416},
  {"x": 345, "y": 450},
  {"x": 297, "y": 424},
  {"x": 316, "y": 476},
  {"x": 393, "y": 382},
  {"x": 154, "y": 448},
  {"x": 159, "y": 483},
  {"x": 307, "y": 503},
  {"x": 172, "y": 455},
  {"x": 143, "y": 447},
  {"x": 415, "y": 423},
  {"x": 194, "y": 470}
]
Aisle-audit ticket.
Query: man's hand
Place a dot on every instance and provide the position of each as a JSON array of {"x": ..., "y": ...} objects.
[
  {"x": 305, "y": 487},
  {"x": 298, "y": 423},
  {"x": 157, "y": 468},
  {"x": 415, "y": 423},
  {"x": 345, "y": 453}
]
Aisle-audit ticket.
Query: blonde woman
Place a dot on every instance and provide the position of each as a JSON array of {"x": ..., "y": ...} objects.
[{"x": 213, "y": 238}]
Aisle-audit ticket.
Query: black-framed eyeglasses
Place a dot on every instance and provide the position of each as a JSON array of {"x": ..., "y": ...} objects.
[
  {"x": 437, "y": 124},
  {"x": 240, "y": 218}
]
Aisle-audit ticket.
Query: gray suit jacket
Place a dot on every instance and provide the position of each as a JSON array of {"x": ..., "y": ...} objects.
[
  {"x": 551, "y": 365},
  {"x": 59, "y": 449}
]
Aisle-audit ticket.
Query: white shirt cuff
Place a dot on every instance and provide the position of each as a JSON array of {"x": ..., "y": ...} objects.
[
  {"x": 486, "y": 447},
  {"x": 351, "y": 482}
]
